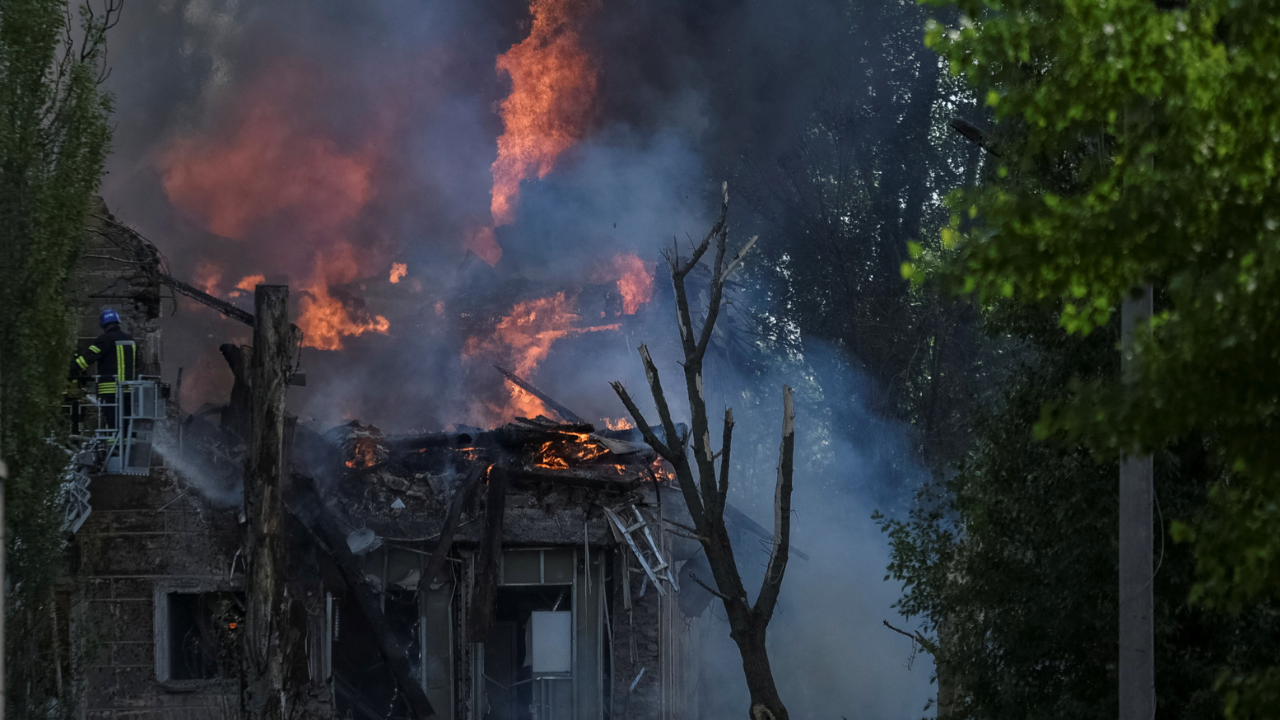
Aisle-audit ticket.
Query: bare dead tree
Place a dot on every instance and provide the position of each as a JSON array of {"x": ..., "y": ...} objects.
[{"x": 704, "y": 491}]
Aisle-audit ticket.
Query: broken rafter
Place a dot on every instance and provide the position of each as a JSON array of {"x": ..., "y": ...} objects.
[
  {"x": 205, "y": 298},
  {"x": 564, "y": 412},
  {"x": 445, "y": 544},
  {"x": 485, "y": 593}
]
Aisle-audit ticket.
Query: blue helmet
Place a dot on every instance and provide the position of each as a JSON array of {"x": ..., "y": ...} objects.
[{"x": 107, "y": 317}]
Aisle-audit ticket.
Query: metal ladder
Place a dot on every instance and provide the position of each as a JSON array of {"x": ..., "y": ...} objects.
[{"x": 654, "y": 565}]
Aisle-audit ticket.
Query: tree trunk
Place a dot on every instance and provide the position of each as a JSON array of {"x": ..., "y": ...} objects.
[
  {"x": 274, "y": 340},
  {"x": 765, "y": 702}
]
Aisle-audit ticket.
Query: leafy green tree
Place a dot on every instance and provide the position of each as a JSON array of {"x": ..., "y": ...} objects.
[
  {"x": 53, "y": 142},
  {"x": 1011, "y": 561},
  {"x": 1137, "y": 143}
]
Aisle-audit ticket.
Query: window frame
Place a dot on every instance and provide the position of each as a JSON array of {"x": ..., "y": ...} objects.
[{"x": 162, "y": 640}]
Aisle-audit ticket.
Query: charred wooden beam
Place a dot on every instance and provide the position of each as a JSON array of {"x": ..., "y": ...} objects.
[
  {"x": 413, "y": 443},
  {"x": 485, "y": 593},
  {"x": 205, "y": 298},
  {"x": 274, "y": 341},
  {"x": 445, "y": 544},
  {"x": 325, "y": 530},
  {"x": 564, "y": 412},
  {"x": 584, "y": 477}
]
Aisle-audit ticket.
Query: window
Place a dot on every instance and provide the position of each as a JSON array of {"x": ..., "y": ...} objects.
[{"x": 198, "y": 636}]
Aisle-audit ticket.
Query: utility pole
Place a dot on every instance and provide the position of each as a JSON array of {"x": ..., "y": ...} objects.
[
  {"x": 4, "y": 546},
  {"x": 1137, "y": 599},
  {"x": 266, "y": 621}
]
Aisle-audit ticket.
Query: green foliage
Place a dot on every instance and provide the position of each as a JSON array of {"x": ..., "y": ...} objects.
[
  {"x": 1139, "y": 144},
  {"x": 1012, "y": 560},
  {"x": 53, "y": 142}
]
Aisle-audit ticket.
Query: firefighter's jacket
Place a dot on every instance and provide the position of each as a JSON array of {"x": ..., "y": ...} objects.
[{"x": 116, "y": 356}]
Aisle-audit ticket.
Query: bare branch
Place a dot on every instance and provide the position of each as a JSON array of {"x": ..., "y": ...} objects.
[
  {"x": 709, "y": 589},
  {"x": 777, "y": 566},
  {"x": 722, "y": 493},
  {"x": 641, "y": 423},
  {"x": 736, "y": 262},
  {"x": 925, "y": 643}
]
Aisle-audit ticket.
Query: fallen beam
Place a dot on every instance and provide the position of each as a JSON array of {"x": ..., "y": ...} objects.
[
  {"x": 445, "y": 544},
  {"x": 205, "y": 298},
  {"x": 565, "y": 413},
  {"x": 324, "y": 530}
]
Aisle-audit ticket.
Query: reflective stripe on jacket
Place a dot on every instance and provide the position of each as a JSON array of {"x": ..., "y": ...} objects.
[{"x": 116, "y": 355}]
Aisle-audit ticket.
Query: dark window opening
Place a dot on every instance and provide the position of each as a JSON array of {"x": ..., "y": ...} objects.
[
  {"x": 204, "y": 635},
  {"x": 513, "y": 691}
]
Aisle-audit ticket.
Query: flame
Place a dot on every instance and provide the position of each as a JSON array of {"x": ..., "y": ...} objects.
[
  {"x": 266, "y": 166},
  {"x": 576, "y": 447},
  {"x": 622, "y": 423},
  {"x": 553, "y": 88},
  {"x": 522, "y": 340},
  {"x": 250, "y": 282},
  {"x": 526, "y": 335},
  {"x": 324, "y": 319},
  {"x": 635, "y": 282},
  {"x": 398, "y": 271},
  {"x": 208, "y": 276},
  {"x": 484, "y": 244},
  {"x": 364, "y": 452}
]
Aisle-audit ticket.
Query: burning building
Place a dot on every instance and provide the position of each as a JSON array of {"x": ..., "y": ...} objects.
[{"x": 536, "y": 569}]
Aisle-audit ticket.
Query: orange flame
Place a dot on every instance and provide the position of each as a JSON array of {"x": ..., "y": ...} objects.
[
  {"x": 635, "y": 282},
  {"x": 622, "y": 423},
  {"x": 250, "y": 282},
  {"x": 553, "y": 88},
  {"x": 267, "y": 166},
  {"x": 577, "y": 447},
  {"x": 526, "y": 335},
  {"x": 523, "y": 339},
  {"x": 398, "y": 271},
  {"x": 324, "y": 319}
]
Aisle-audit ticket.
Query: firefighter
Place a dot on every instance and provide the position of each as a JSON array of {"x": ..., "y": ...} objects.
[{"x": 116, "y": 355}]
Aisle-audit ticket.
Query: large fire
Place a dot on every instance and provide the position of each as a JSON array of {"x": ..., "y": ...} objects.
[
  {"x": 270, "y": 172},
  {"x": 266, "y": 167},
  {"x": 553, "y": 90},
  {"x": 523, "y": 339},
  {"x": 324, "y": 319}
]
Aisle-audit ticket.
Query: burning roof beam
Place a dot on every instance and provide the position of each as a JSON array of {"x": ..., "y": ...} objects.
[{"x": 565, "y": 413}]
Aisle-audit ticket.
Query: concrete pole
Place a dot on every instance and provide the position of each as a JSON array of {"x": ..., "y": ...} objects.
[{"x": 1137, "y": 600}]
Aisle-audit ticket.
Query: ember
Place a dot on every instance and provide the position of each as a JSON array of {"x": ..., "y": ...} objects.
[{"x": 570, "y": 447}]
